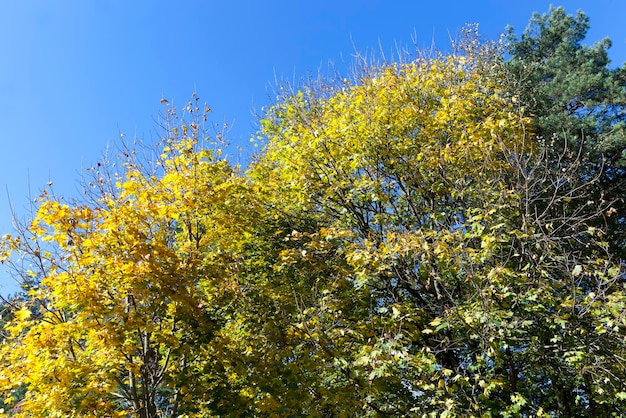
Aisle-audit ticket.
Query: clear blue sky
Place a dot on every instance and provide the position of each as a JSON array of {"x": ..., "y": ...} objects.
[{"x": 75, "y": 73}]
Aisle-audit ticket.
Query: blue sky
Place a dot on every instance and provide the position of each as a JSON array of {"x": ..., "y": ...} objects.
[{"x": 76, "y": 73}]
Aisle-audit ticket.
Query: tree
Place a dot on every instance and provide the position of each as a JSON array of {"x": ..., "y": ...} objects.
[
  {"x": 477, "y": 296},
  {"x": 118, "y": 322},
  {"x": 576, "y": 100}
]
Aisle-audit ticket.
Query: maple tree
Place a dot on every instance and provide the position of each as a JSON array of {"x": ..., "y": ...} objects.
[
  {"x": 119, "y": 321},
  {"x": 402, "y": 245}
]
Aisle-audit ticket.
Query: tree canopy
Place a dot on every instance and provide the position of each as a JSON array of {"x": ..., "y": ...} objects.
[
  {"x": 577, "y": 100},
  {"x": 417, "y": 240}
]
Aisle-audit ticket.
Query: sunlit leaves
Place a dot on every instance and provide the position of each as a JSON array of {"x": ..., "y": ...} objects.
[
  {"x": 427, "y": 170},
  {"x": 390, "y": 251},
  {"x": 119, "y": 314}
]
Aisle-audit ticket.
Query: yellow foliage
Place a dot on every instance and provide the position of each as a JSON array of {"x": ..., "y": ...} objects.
[{"x": 110, "y": 319}]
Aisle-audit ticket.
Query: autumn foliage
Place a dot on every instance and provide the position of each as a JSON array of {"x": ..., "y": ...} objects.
[{"x": 402, "y": 245}]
